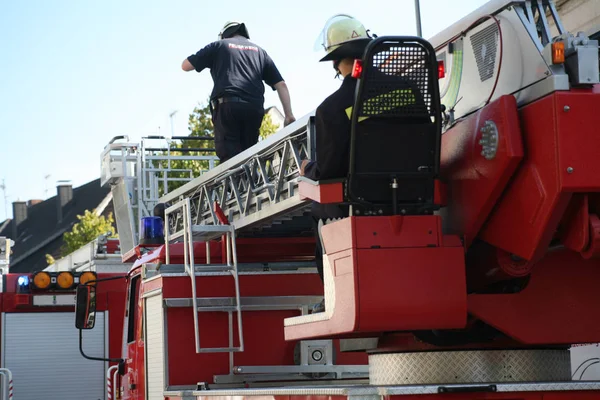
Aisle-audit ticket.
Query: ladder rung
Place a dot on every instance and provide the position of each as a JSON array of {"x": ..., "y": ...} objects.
[
  {"x": 210, "y": 229},
  {"x": 212, "y": 268},
  {"x": 217, "y": 308},
  {"x": 219, "y": 349},
  {"x": 176, "y": 235}
]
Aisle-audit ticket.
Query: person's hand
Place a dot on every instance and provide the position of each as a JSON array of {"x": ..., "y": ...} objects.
[
  {"x": 302, "y": 166},
  {"x": 288, "y": 120}
]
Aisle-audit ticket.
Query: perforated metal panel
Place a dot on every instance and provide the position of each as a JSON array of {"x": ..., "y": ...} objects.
[
  {"x": 408, "y": 93},
  {"x": 485, "y": 48},
  {"x": 155, "y": 354},
  {"x": 42, "y": 351}
]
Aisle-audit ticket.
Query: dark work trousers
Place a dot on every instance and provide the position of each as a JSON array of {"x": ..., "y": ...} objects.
[
  {"x": 324, "y": 212},
  {"x": 237, "y": 127}
]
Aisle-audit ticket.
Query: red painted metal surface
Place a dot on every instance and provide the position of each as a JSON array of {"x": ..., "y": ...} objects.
[
  {"x": 263, "y": 330},
  {"x": 560, "y": 134},
  {"x": 440, "y": 193},
  {"x": 475, "y": 183},
  {"x": 593, "y": 248},
  {"x": 390, "y": 274},
  {"x": 554, "y": 308},
  {"x": 248, "y": 250},
  {"x": 133, "y": 382},
  {"x": 220, "y": 214},
  {"x": 574, "y": 230},
  {"x": 325, "y": 193}
]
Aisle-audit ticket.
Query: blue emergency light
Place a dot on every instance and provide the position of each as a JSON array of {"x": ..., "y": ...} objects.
[
  {"x": 152, "y": 231},
  {"x": 23, "y": 280},
  {"x": 23, "y": 284}
]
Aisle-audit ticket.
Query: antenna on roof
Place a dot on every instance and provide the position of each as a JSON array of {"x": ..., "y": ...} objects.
[{"x": 46, "y": 185}]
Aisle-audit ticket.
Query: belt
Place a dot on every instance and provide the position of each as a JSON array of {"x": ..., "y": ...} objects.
[{"x": 230, "y": 99}]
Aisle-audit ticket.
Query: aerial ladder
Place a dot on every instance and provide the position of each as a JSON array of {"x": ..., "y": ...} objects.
[{"x": 468, "y": 261}]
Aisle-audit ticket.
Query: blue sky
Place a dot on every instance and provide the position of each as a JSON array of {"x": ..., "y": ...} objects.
[{"x": 73, "y": 74}]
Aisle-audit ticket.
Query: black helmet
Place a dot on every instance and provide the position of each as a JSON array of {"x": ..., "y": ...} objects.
[{"x": 232, "y": 28}]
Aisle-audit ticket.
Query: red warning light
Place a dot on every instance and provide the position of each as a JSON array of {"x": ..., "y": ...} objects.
[
  {"x": 357, "y": 69},
  {"x": 441, "y": 70}
]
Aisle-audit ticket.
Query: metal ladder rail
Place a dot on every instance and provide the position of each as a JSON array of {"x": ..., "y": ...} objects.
[
  {"x": 208, "y": 233},
  {"x": 257, "y": 185}
]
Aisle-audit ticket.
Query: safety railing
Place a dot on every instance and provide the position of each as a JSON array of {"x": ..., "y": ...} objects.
[
  {"x": 7, "y": 384},
  {"x": 111, "y": 382},
  {"x": 139, "y": 173}
]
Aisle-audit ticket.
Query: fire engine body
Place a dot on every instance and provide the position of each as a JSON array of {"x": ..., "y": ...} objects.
[
  {"x": 466, "y": 272},
  {"x": 38, "y": 344}
]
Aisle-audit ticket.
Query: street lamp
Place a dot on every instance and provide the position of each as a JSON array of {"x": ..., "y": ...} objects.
[{"x": 418, "y": 17}]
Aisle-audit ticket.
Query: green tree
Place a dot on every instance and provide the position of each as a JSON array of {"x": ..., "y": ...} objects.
[
  {"x": 200, "y": 125},
  {"x": 89, "y": 227},
  {"x": 49, "y": 259},
  {"x": 268, "y": 127}
]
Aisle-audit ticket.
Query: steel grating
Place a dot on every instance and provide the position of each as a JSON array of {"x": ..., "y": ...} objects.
[{"x": 469, "y": 367}]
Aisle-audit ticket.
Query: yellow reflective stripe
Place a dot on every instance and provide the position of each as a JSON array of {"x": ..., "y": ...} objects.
[
  {"x": 385, "y": 102},
  {"x": 349, "y": 114}
]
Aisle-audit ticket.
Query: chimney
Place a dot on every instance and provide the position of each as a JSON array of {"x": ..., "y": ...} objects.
[
  {"x": 33, "y": 202},
  {"x": 19, "y": 215},
  {"x": 64, "y": 194}
]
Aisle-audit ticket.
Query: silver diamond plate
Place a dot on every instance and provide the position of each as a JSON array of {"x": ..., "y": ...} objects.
[
  {"x": 372, "y": 392},
  {"x": 469, "y": 367}
]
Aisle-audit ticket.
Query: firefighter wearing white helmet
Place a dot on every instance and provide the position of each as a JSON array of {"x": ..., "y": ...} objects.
[
  {"x": 344, "y": 39},
  {"x": 238, "y": 68}
]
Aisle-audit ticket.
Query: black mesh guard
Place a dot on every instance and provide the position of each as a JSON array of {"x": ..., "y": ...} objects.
[{"x": 396, "y": 128}]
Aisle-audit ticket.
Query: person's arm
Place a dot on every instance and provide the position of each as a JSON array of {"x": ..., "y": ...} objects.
[
  {"x": 187, "y": 66},
  {"x": 202, "y": 59},
  {"x": 332, "y": 131},
  {"x": 273, "y": 78},
  {"x": 284, "y": 96}
]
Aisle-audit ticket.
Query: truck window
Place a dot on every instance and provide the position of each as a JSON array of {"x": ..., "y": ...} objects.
[{"x": 132, "y": 308}]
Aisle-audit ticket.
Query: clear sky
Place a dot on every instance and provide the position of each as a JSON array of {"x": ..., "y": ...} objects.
[{"x": 73, "y": 73}]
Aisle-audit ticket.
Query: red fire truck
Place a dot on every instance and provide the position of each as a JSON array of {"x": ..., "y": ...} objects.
[
  {"x": 466, "y": 269},
  {"x": 38, "y": 344}
]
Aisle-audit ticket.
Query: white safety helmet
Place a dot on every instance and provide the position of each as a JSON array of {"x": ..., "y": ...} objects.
[
  {"x": 234, "y": 27},
  {"x": 343, "y": 36}
]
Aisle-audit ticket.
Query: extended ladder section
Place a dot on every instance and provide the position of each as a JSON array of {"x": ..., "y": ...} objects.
[
  {"x": 206, "y": 233},
  {"x": 139, "y": 173},
  {"x": 257, "y": 189}
]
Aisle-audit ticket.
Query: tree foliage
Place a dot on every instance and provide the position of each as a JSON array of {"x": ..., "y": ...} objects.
[
  {"x": 200, "y": 126},
  {"x": 89, "y": 227}
]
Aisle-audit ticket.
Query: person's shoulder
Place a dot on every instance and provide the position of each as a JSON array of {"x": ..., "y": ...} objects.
[{"x": 344, "y": 94}]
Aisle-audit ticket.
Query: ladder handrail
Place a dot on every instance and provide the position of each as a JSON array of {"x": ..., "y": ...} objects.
[
  {"x": 256, "y": 186},
  {"x": 182, "y": 209},
  {"x": 111, "y": 386},
  {"x": 7, "y": 392}
]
